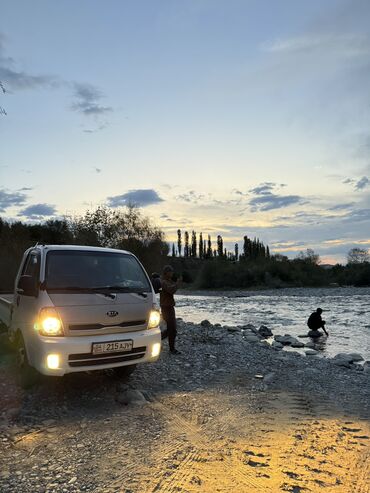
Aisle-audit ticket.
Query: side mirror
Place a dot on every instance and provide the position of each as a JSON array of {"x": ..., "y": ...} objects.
[{"x": 27, "y": 286}]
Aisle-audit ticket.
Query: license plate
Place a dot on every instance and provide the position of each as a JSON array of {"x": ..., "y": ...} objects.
[{"x": 112, "y": 347}]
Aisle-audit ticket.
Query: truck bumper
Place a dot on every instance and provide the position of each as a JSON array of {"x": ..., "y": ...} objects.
[{"x": 61, "y": 355}]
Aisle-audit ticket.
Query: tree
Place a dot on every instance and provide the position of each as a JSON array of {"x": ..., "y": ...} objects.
[
  {"x": 220, "y": 247},
  {"x": 236, "y": 251},
  {"x": 209, "y": 247},
  {"x": 179, "y": 242},
  {"x": 200, "y": 247},
  {"x": 358, "y": 256},
  {"x": 173, "y": 250},
  {"x": 186, "y": 246},
  {"x": 193, "y": 244},
  {"x": 309, "y": 256}
]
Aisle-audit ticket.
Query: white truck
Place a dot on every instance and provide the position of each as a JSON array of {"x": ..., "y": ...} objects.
[{"x": 77, "y": 308}]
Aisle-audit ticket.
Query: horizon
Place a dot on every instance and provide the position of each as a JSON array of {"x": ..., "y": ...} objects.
[{"x": 233, "y": 118}]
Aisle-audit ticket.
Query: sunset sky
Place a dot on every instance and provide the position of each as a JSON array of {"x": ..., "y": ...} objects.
[{"x": 224, "y": 116}]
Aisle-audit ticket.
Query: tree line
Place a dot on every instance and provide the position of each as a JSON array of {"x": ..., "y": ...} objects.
[{"x": 202, "y": 248}]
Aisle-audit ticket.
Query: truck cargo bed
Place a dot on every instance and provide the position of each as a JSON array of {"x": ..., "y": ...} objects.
[{"x": 5, "y": 308}]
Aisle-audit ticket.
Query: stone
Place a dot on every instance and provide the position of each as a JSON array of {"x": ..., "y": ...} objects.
[
  {"x": 311, "y": 352},
  {"x": 344, "y": 356},
  {"x": 341, "y": 362},
  {"x": 297, "y": 344},
  {"x": 366, "y": 366},
  {"x": 356, "y": 357},
  {"x": 310, "y": 344},
  {"x": 286, "y": 340},
  {"x": 233, "y": 329},
  {"x": 205, "y": 323},
  {"x": 252, "y": 338},
  {"x": 131, "y": 396},
  {"x": 265, "y": 331},
  {"x": 277, "y": 345}
]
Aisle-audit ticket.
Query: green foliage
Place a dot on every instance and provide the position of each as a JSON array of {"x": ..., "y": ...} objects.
[{"x": 125, "y": 229}]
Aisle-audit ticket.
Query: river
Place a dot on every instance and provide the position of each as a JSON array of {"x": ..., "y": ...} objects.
[{"x": 285, "y": 311}]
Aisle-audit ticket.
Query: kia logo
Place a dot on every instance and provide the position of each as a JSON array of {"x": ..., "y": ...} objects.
[{"x": 112, "y": 314}]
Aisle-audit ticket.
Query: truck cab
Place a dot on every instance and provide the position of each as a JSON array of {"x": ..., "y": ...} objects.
[{"x": 78, "y": 308}]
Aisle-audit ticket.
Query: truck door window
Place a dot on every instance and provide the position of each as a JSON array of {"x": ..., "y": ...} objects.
[{"x": 32, "y": 267}]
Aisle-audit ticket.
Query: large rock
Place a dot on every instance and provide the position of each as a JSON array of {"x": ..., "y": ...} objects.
[
  {"x": 286, "y": 340},
  {"x": 277, "y": 345},
  {"x": 265, "y": 331},
  {"x": 356, "y": 357},
  {"x": 341, "y": 362},
  {"x": 297, "y": 344},
  {"x": 346, "y": 357},
  {"x": 205, "y": 323},
  {"x": 367, "y": 366},
  {"x": 311, "y": 352}
]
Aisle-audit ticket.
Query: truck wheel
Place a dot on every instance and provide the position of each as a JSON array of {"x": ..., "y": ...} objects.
[
  {"x": 124, "y": 371},
  {"x": 27, "y": 375}
]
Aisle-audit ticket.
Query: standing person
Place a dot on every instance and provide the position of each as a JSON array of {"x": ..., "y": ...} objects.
[
  {"x": 315, "y": 322},
  {"x": 167, "y": 302}
]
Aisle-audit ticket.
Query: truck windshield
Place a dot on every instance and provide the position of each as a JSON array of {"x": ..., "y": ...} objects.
[{"x": 78, "y": 270}]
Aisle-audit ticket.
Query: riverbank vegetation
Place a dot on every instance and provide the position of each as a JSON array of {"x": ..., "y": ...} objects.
[{"x": 202, "y": 263}]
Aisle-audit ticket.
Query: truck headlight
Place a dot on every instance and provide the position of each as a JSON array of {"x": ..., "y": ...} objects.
[
  {"x": 49, "y": 323},
  {"x": 154, "y": 319}
]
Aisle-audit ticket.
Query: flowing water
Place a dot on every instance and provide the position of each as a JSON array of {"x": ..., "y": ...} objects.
[{"x": 346, "y": 311}]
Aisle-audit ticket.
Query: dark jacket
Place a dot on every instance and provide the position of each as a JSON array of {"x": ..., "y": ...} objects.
[
  {"x": 157, "y": 285},
  {"x": 315, "y": 321},
  {"x": 169, "y": 288}
]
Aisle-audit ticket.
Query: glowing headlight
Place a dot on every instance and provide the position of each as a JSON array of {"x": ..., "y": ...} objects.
[
  {"x": 49, "y": 323},
  {"x": 154, "y": 319},
  {"x": 52, "y": 361},
  {"x": 156, "y": 349}
]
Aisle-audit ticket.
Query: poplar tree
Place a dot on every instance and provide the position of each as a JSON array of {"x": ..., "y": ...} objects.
[
  {"x": 173, "y": 250},
  {"x": 193, "y": 244},
  {"x": 220, "y": 246},
  {"x": 200, "y": 247},
  {"x": 186, "y": 246},
  {"x": 179, "y": 241},
  {"x": 236, "y": 251},
  {"x": 209, "y": 247}
]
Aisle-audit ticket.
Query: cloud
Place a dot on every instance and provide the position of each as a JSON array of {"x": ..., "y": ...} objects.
[
  {"x": 265, "y": 200},
  {"x": 10, "y": 199},
  {"x": 38, "y": 211},
  {"x": 140, "y": 197},
  {"x": 358, "y": 184},
  {"x": 362, "y": 183},
  {"x": 16, "y": 79},
  {"x": 351, "y": 45},
  {"x": 87, "y": 99},
  {"x": 191, "y": 197},
  {"x": 340, "y": 207}
]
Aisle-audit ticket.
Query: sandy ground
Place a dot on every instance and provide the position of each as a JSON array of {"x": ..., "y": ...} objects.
[{"x": 204, "y": 428}]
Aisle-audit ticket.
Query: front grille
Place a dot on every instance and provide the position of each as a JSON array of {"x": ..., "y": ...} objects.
[
  {"x": 89, "y": 359},
  {"x": 133, "y": 323}
]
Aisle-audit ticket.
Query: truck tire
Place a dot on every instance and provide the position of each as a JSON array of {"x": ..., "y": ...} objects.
[
  {"x": 124, "y": 371},
  {"x": 27, "y": 375}
]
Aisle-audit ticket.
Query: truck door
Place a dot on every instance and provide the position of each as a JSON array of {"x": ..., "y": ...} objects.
[{"x": 25, "y": 305}]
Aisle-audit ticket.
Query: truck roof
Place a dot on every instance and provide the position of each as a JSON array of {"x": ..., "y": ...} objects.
[{"x": 79, "y": 248}]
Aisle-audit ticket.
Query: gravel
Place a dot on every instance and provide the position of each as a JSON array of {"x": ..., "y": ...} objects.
[{"x": 53, "y": 436}]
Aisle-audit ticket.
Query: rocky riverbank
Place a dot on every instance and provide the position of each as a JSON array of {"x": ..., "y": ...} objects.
[{"x": 233, "y": 412}]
